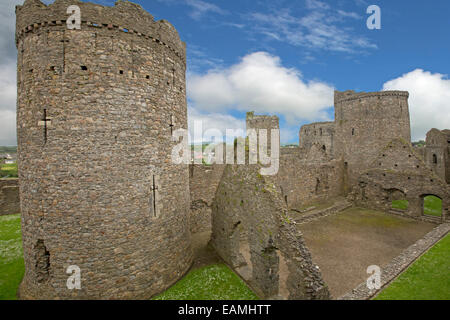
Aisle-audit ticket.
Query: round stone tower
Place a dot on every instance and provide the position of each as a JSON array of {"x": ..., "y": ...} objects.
[
  {"x": 96, "y": 108},
  {"x": 365, "y": 123}
]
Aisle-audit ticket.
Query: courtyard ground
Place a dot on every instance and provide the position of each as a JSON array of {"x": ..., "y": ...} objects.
[{"x": 345, "y": 244}]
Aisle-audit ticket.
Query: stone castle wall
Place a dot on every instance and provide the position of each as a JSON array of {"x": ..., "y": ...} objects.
[
  {"x": 254, "y": 234},
  {"x": 437, "y": 153},
  {"x": 321, "y": 134},
  {"x": 399, "y": 173},
  {"x": 304, "y": 182},
  {"x": 9, "y": 196},
  {"x": 267, "y": 123},
  {"x": 95, "y": 111},
  {"x": 203, "y": 183},
  {"x": 365, "y": 123}
]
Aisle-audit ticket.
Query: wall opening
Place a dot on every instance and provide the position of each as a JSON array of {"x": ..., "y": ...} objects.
[
  {"x": 42, "y": 266},
  {"x": 397, "y": 199},
  {"x": 324, "y": 148},
  {"x": 432, "y": 206},
  {"x": 435, "y": 159},
  {"x": 84, "y": 68},
  {"x": 353, "y": 132}
]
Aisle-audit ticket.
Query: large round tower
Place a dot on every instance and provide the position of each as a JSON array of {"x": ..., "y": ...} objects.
[
  {"x": 365, "y": 123},
  {"x": 95, "y": 112}
]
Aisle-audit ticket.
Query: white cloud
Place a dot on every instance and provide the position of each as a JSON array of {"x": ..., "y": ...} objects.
[
  {"x": 260, "y": 83},
  {"x": 429, "y": 100},
  {"x": 321, "y": 27},
  {"x": 218, "y": 121},
  {"x": 199, "y": 8}
]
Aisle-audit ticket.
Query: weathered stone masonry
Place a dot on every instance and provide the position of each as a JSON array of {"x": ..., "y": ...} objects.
[
  {"x": 96, "y": 108},
  {"x": 253, "y": 233}
]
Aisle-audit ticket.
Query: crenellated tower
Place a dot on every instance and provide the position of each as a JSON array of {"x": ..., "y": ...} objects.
[
  {"x": 95, "y": 111},
  {"x": 365, "y": 123}
]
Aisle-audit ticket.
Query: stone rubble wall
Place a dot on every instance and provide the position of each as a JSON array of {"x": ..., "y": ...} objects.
[
  {"x": 303, "y": 182},
  {"x": 203, "y": 183},
  {"x": 9, "y": 196},
  {"x": 399, "y": 170},
  {"x": 254, "y": 234}
]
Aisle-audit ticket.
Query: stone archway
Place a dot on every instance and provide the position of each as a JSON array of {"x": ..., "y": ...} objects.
[
  {"x": 396, "y": 199},
  {"x": 432, "y": 205}
]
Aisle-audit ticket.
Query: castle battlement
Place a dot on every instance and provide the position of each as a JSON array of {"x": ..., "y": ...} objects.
[
  {"x": 125, "y": 16},
  {"x": 351, "y": 95}
]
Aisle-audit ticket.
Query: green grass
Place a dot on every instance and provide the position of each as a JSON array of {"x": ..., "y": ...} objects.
[
  {"x": 427, "y": 279},
  {"x": 11, "y": 256},
  {"x": 432, "y": 206},
  {"x": 400, "y": 204},
  {"x": 214, "y": 282},
  {"x": 8, "y": 170},
  {"x": 4, "y": 149}
]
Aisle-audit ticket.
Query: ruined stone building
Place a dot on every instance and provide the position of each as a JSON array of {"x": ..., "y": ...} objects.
[{"x": 96, "y": 109}]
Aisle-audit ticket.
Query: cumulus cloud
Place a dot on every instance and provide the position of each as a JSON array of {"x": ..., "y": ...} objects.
[
  {"x": 429, "y": 100},
  {"x": 260, "y": 83},
  {"x": 217, "y": 121}
]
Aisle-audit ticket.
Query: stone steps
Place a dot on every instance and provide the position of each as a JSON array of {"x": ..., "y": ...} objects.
[
  {"x": 316, "y": 214},
  {"x": 431, "y": 219}
]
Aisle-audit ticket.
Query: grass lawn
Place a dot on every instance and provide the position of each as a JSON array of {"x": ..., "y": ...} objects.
[
  {"x": 214, "y": 282},
  {"x": 432, "y": 206},
  {"x": 11, "y": 257},
  {"x": 400, "y": 204},
  {"x": 426, "y": 279},
  {"x": 8, "y": 170}
]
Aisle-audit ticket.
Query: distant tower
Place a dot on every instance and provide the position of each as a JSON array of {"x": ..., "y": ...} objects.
[
  {"x": 437, "y": 153},
  {"x": 261, "y": 122},
  {"x": 366, "y": 123},
  {"x": 95, "y": 112}
]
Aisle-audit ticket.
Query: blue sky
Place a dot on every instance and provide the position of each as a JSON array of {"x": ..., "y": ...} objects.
[{"x": 286, "y": 57}]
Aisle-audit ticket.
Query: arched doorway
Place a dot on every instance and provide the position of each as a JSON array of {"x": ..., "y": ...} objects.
[{"x": 432, "y": 205}]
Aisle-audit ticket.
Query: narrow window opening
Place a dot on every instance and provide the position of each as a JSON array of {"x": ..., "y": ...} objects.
[
  {"x": 353, "y": 132},
  {"x": 435, "y": 159}
]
